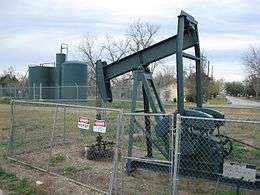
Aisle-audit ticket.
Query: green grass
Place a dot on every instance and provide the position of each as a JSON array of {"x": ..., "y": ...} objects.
[
  {"x": 252, "y": 98},
  {"x": 243, "y": 153},
  {"x": 4, "y": 143},
  {"x": 201, "y": 187},
  {"x": 239, "y": 152},
  {"x": 116, "y": 104},
  {"x": 72, "y": 170},
  {"x": 69, "y": 171},
  {"x": 140, "y": 143},
  {"x": 126, "y": 105},
  {"x": 255, "y": 154},
  {"x": 217, "y": 101},
  {"x": 57, "y": 158},
  {"x": 226, "y": 192},
  {"x": 15, "y": 185},
  {"x": 4, "y": 100}
]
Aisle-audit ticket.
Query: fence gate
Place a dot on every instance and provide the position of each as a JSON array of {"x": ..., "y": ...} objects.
[{"x": 145, "y": 157}]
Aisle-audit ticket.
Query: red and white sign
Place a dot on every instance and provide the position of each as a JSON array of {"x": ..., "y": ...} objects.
[
  {"x": 83, "y": 123},
  {"x": 100, "y": 126}
]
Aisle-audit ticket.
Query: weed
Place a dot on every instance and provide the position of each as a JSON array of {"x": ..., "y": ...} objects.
[
  {"x": 5, "y": 100},
  {"x": 15, "y": 185},
  {"x": 57, "y": 158},
  {"x": 226, "y": 192},
  {"x": 217, "y": 101},
  {"x": 69, "y": 171},
  {"x": 239, "y": 152},
  {"x": 72, "y": 170},
  {"x": 255, "y": 154}
]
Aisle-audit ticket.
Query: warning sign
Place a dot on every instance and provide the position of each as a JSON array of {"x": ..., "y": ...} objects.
[
  {"x": 100, "y": 126},
  {"x": 83, "y": 123}
]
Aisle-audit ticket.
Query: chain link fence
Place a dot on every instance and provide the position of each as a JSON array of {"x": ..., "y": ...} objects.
[
  {"x": 4, "y": 129},
  {"x": 75, "y": 92},
  {"x": 173, "y": 154},
  {"x": 145, "y": 163},
  {"x": 218, "y": 156},
  {"x": 138, "y": 153},
  {"x": 76, "y": 142},
  {"x": 238, "y": 112}
]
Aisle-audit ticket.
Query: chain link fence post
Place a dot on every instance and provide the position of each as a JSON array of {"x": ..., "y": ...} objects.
[
  {"x": 176, "y": 154},
  {"x": 34, "y": 95},
  {"x": 115, "y": 160},
  {"x": 15, "y": 92},
  {"x": 64, "y": 124},
  {"x": 52, "y": 136},
  {"x": 171, "y": 154},
  {"x": 40, "y": 91},
  {"x": 11, "y": 142}
]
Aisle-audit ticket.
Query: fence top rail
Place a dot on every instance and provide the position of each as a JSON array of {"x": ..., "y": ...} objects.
[
  {"x": 192, "y": 117},
  {"x": 56, "y": 100},
  {"x": 223, "y": 120},
  {"x": 147, "y": 114},
  {"x": 233, "y": 106},
  {"x": 56, "y": 86},
  {"x": 65, "y": 105}
]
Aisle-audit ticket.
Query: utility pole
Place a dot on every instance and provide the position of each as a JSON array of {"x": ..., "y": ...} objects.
[
  {"x": 212, "y": 71},
  {"x": 208, "y": 68}
]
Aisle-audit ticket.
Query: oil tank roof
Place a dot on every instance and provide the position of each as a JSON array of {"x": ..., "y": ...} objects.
[
  {"x": 74, "y": 62},
  {"x": 31, "y": 66}
]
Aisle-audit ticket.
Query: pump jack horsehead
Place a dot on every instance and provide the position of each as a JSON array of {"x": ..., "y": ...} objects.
[{"x": 196, "y": 138}]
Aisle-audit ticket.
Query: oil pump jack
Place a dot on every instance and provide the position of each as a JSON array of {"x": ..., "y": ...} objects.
[{"x": 196, "y": 139}]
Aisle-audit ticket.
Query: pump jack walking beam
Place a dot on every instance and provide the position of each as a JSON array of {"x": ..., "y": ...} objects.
[{"x": 186, "y": 38}]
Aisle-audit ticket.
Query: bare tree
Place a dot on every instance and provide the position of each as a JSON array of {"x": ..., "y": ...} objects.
[
  {"x": 91, "y": 51},
  {"x": 114, "y": 50},
  {"x": 165, "y": 81},
  {"x": 9, "y": 78},
  {"x": 164, "y": 77},
  {"x": 139, "y": 35},
  {"x": 142, "y": 35},
  {"x": 251, "y": 60}
]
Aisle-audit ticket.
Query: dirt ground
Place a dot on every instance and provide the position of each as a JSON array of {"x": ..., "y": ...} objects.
[
  {"x": 97, "y": 174},
  {"x": 51, "y": 184}
]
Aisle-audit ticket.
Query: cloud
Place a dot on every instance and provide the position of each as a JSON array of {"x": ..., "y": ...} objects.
[
  {"x": 229, "y": 71},
  {"x": 228, "y": 42},
  {"x": 31, "y": 31}
]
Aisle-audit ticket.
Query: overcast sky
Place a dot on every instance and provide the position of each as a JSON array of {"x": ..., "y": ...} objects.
[{"x": 32, "y": 30}]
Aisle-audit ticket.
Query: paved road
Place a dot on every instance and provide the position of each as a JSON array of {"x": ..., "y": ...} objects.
[{"x": 241, "y": 102}]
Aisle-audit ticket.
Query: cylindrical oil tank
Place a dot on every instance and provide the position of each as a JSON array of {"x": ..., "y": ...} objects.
[
  {"x": 74, "y": 80},
  {"x": 60, "y": 58},
  {"x": 40, "y": 78}
]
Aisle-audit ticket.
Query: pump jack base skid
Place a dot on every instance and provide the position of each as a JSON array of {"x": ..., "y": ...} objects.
[{"x": 165, "y": 166}]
